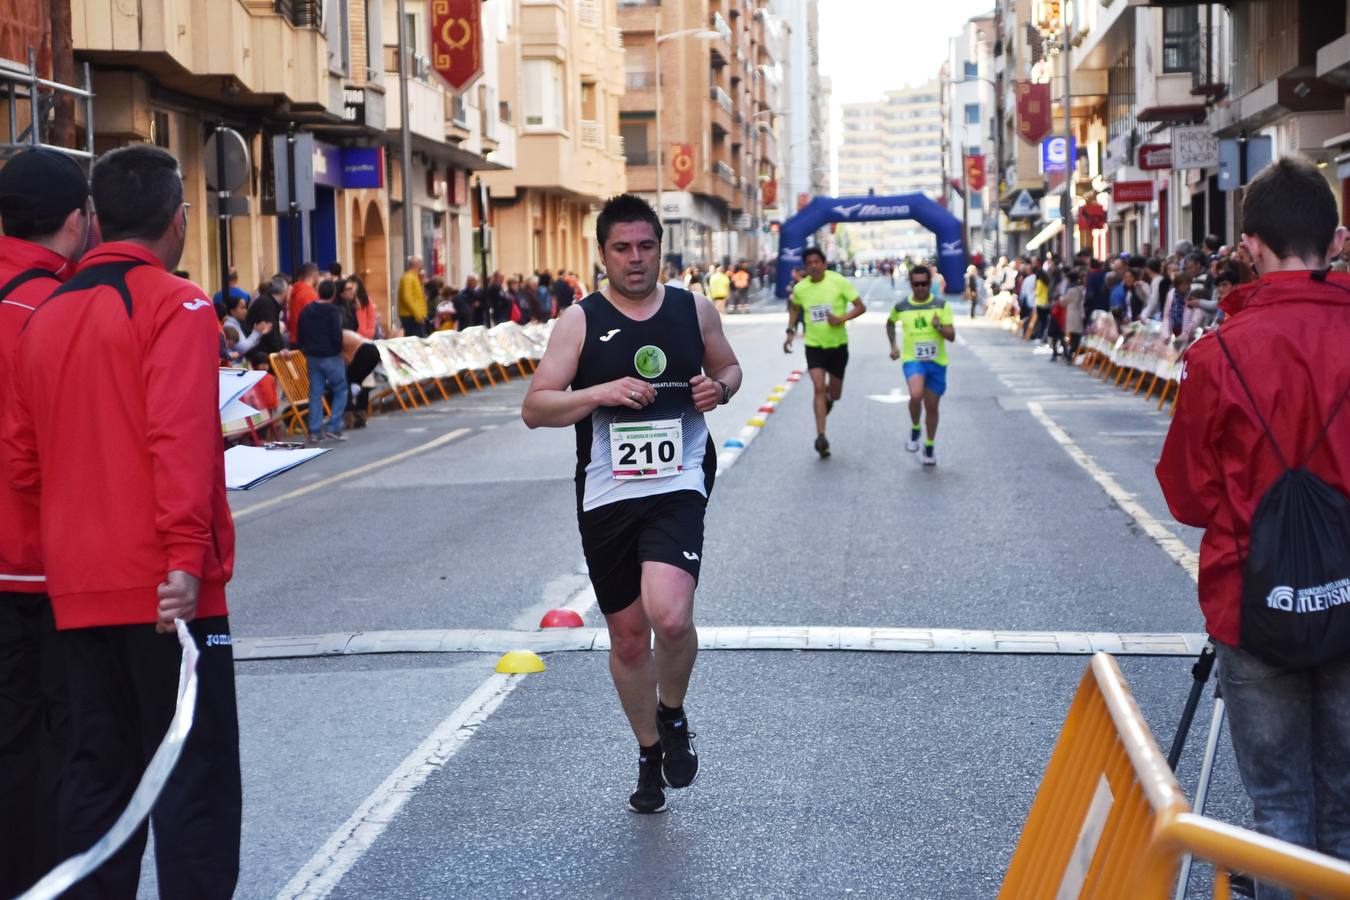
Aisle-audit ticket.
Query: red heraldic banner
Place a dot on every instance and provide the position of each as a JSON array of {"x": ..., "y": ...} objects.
[
  {"x": 457, "y": 41},
  {"x": 975, "y": 171},
  {"x": 1033, "y": 111},
  {"x": 682, "y": 165}
]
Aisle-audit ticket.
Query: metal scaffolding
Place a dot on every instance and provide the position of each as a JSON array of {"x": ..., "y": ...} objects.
[{"x": 22, "y": 88}]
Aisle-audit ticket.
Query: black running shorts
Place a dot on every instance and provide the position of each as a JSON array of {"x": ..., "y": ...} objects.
[
  {"x": 832, "y": 359},
  {"x": 619, "y": 537}
]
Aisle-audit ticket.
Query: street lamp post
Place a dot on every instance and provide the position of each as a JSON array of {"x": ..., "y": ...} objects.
[{"x": 703, "y": 34}]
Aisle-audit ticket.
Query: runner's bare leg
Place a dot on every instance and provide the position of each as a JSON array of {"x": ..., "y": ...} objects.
[
  {"x": 930, "y": 413},
  {"x": 818, "y": 383},
  {"x": 668, "y": 597},
  {"x": 917, "y": 393},
  {"x": 634, "y": 669}
]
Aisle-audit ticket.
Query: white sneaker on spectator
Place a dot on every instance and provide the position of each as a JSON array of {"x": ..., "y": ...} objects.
[{"x": 334, "y": 436}]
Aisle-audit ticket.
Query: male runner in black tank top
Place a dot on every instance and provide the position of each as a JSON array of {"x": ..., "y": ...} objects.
[{"x": 643, "y": 362}]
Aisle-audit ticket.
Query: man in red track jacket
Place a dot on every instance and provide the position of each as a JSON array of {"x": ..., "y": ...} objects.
[
  {"x": 44, "y": 200},
  {"x": 1288, "y": 333},
  {"x": 115, "y": 424}
]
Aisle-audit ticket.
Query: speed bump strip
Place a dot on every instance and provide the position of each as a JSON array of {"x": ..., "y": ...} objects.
[{"x": 863, "y": 640}]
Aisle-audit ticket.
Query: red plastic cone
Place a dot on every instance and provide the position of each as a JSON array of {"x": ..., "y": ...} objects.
[{"x": 561, "y": 618}]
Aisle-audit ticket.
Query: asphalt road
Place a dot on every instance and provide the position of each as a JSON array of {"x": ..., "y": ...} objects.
[{"x": 825, "y": 773}]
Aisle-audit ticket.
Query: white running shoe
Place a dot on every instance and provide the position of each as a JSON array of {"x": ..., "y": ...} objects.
[
  {"x": 929, "y": 456},
  {"x": 912, "y": 446}
]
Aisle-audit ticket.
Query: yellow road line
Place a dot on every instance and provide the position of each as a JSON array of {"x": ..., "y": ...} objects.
[{"x": 352, "y": 473}]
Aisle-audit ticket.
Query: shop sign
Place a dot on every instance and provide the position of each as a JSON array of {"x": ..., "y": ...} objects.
[
  {"x": 1194, "y": 147},
  {"x": 1155, "y": 156},
  {"x": 1132, "y": 192},
  {"x": 362, "y": 167}
]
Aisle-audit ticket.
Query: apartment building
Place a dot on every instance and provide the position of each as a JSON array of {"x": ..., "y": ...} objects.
[
  {"x": 168, "y": 71},
  {"x": 893, "y": 146},
  {"x": 455, "y": 134},
  {"x": 969, "y": 110},
  {"x": 714, "y": 149},
  {"x": 562, "y": 74},
  {"x": 805, "y": 151}
]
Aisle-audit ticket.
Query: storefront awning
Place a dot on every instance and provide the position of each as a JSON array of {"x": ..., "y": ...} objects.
[{"x": 1046, "y": 233}]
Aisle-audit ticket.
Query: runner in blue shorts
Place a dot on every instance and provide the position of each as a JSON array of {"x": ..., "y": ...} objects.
[{"x": 927, "y": 326}]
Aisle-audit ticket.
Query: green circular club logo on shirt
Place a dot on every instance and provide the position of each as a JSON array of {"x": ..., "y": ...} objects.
[{"x": 650, "y": 361}]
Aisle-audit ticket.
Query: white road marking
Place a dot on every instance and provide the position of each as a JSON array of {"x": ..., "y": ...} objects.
[
  {"x": 1172, "y": 545},
  {"x": 729, "y": 638},
  {"x": 350, "y": 473},
  {"x": 344, "y": 848},
  {"x": 897, "y": 395}
]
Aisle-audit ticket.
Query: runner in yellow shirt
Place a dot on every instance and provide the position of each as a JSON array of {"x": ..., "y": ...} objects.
[
  {"x": 827, "y": 300},
  {"x": 719, "y": 286},
  {"x": 927, "y": 324}
]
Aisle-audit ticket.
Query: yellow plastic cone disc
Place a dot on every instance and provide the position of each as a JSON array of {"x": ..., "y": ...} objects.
[{"x": 518, "y": 662}]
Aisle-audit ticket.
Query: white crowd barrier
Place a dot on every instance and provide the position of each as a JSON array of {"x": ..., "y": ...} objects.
[
  {"x": 407, "y": 361},
  {"x": 1142, "y": 346}
]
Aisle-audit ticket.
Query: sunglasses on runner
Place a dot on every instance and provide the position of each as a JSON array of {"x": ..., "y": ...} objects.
[{"x": 913, "y": 283}]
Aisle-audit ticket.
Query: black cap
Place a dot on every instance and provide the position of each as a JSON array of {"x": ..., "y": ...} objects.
[{"x": 41, "y": 185}]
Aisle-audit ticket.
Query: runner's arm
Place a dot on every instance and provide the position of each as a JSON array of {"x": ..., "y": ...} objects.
[
  {"x": 890, "y": 336},
  {"x": 550, "y": 403},
  {"x": 719, "y": 360},
  {"x": 793, "y": 314},
  {"x": 857, "y": 309}
]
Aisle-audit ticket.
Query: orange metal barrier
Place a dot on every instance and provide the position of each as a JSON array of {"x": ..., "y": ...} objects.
[{"x": 1109, "y": 819}]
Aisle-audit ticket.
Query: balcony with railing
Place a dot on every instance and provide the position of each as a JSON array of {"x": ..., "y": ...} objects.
[
  {"x": 200, "y": 49},
  {"x": 721, "y": 50},
  {"x": 721, "y": 107},
  {"x": 725, "y": 172},
  {"x": 1208, "y": 67}
]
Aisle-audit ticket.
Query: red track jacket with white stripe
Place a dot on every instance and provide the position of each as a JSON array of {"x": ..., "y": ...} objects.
[
  {"x": 116, "y": 424},
  {"x": 20, "y": 265}
]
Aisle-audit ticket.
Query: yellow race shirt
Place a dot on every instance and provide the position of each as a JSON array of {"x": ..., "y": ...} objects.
[
  {"x": 833, "y": 294},
  {"x": 922, "y": 342}
]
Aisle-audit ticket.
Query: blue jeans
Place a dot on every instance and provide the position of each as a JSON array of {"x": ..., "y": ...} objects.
[
  {"x": 1291, "y": 737},
  {"x": 326, "y": 372}
]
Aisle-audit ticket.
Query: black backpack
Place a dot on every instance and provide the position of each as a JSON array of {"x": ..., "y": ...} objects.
[{"x": 1295, "y": 609}]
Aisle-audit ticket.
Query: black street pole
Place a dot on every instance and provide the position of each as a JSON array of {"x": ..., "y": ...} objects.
[
  {"x": 294, "y": 204},
  {"x": 222, "y": 215},
  {"x": 1242, "y": 183},
  {"x": 489, "y": 314}
]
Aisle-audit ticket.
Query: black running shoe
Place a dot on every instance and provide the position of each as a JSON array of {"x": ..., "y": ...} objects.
[
  {"x": 679, "y": 765},
  {"x": 822, "y": 446},
  {"x": 649, "y": 797}
]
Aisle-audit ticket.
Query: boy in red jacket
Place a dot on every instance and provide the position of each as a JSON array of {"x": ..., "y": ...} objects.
[
  {"x": 1288, "y": 334},
  {"x": 44, "y": 200},
  {"x": 114, "y": 425}
]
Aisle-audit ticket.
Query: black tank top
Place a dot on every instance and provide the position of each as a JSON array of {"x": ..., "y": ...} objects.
[{"x": 666, "y": 351}]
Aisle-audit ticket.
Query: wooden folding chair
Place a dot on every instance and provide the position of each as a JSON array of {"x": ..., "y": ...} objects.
[{"x": 292, "y": 372}]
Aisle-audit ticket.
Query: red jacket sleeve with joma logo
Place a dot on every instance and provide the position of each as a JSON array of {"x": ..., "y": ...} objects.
[{"x": 115, "y": 423}]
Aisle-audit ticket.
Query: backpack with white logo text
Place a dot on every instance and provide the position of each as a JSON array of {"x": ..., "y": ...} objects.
[{"x": 1295, "y": 609}]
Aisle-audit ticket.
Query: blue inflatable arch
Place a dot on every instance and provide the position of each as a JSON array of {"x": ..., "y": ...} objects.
[{"x": 822, "y": 211}]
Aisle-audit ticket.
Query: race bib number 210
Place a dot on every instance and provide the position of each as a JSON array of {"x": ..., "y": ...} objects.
[{"x": 646, "y": 449}]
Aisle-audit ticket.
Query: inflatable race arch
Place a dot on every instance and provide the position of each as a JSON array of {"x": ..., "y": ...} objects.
[{"x": 951, "y": 251}]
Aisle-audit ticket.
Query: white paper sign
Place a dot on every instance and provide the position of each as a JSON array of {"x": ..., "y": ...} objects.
[{"x": 1194, "y": 147}]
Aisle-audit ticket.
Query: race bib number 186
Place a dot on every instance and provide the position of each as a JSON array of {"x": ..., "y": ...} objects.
[
  {"x": 820, "y": 313},
  {"x": 646, "y": 449}
]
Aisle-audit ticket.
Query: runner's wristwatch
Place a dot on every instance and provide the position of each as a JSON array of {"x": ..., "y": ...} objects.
[{"x": 726, "y": 394}]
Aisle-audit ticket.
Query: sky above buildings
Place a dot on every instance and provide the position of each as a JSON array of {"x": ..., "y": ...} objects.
[{"x": 871, "y": 46}]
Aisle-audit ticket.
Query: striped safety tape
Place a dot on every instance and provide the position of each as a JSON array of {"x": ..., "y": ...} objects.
[{"x": 60, "y": 879}]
